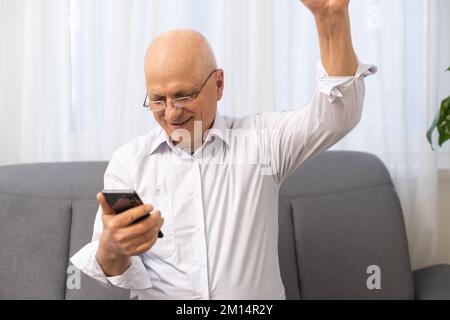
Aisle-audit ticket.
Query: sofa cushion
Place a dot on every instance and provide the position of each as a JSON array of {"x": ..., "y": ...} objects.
[
  {"x": 433, "y": 283},
  {"x": 34, "y": 237},
  {"x": 339, "y": 236}
]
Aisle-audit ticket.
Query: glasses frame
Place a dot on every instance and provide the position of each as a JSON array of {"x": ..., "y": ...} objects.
[{"x": 185, "y": 99}]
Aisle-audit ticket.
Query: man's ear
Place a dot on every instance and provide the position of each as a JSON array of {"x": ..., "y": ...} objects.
[{"x": 220, "y": 82}]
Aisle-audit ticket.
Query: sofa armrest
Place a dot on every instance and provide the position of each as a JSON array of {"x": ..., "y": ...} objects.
[{"x": 432, "y": 283}]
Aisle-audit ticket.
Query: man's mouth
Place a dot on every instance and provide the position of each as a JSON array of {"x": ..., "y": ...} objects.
[{"x": 179, "y": 124}]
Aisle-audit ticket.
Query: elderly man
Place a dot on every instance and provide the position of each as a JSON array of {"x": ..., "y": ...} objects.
[{"x": 219, "y": 218}]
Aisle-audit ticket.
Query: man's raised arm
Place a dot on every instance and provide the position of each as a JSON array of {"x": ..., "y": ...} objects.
[
  {"x": 336, "y": 106},
  {"x": 333, "y": 26}
]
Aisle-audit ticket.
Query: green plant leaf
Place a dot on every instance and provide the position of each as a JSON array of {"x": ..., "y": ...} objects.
[
  {"x": 443, "y": 125},
  {"x": 432, "y": 128},
  {"x": 441, "y": 122}
]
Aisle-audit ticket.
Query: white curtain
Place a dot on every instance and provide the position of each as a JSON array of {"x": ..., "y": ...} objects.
[
  {"x": 72, "y": 82},
  {"x": 34, "y": 80}
]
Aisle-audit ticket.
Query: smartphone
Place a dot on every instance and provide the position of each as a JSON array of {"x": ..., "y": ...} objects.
[{"x": 122, "y": 200}]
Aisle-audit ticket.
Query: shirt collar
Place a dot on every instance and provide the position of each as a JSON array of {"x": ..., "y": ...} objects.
[{"x": 219, "y": 129}]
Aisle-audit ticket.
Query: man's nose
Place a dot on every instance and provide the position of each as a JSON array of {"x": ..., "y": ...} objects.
[{"x": 171, "y": 112}]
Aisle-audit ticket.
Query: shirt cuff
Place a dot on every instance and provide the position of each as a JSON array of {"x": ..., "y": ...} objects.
[
  {"x": 135, "y": 277},
  {"x": 330, "y": 85}
]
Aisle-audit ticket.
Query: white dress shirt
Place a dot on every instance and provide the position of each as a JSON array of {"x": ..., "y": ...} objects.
[{"x": 220, "y": 205}]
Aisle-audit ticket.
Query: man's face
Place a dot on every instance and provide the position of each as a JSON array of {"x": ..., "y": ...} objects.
[{"x": 167, "y": 85}]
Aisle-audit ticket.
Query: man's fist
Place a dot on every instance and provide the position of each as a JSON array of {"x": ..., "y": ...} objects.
[{"x": 326, "y": 6}]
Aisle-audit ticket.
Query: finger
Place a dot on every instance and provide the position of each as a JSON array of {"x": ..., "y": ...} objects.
[
  {"x": 143, "y": 248},
  {"x": 141, "y": 244},
  {"x": 106, "y": 208},
  {"x": 149, "y": 225},
  {"x": 127, "y": 218},
  {"x": 146, "y": 245}
]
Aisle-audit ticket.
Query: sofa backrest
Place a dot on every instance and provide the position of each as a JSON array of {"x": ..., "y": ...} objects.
[{"x": 341, "y": 227}]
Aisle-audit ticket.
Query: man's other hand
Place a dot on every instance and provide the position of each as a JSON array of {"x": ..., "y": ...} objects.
[{"x": 326, "y": 7}]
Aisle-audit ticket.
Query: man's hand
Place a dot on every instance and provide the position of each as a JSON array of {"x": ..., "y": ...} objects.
[
  {"x": 121, "y": 239},
  {"x": 333, "y": 26},
  {"x": 326, "y": 7}
]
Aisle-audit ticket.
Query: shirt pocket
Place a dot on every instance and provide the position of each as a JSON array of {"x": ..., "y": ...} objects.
[{"x": 164, "y": 247}]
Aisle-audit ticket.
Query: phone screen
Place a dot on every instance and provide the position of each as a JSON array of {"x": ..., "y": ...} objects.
[{"x": 122, "y": 200}]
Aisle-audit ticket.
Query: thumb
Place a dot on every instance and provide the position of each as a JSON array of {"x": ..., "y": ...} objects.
[{"x": 106, "y": 208}]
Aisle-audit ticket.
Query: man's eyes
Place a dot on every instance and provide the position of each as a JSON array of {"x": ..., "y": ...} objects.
[
  {"x": 177, "y": 96},
  {"x": 184, "y": 95}
]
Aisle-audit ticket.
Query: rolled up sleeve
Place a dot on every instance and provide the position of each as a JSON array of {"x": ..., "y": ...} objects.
[
  {"x": 135, "y": 277},
  {"x": 329, "y": 86}
]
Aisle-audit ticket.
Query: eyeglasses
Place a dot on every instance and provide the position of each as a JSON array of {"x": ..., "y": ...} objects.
[{"x": 160, "y": 105}]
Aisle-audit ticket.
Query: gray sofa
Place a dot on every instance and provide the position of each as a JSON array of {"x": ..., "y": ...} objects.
[{"x": 339, "y": 215}]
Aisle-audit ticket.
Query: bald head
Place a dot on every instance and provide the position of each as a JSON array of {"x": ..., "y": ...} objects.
[
  {"x": 179, "y": 53},
  {"x": 180, "y": 64}
]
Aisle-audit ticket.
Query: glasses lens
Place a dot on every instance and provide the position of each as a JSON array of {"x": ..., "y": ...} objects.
[
  {"x": 181, "y": 102},
  {"x": 157, "y": 106},
  {"x": 178, "y": 104}
]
